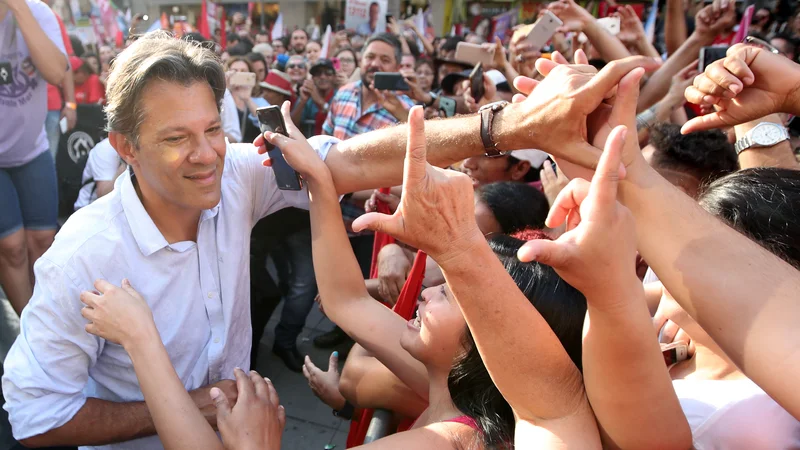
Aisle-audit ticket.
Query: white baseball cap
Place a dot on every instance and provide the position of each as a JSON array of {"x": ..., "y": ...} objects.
[{"x": 535, "y": 157}]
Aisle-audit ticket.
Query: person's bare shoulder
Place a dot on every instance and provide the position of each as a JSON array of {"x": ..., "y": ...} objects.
[{"x": 437, "y": 436}]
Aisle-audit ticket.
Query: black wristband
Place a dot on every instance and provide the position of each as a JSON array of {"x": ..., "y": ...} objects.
[{"x": 346, "y": 412}]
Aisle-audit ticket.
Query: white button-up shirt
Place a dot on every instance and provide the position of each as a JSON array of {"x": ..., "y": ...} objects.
[{"x": 199, "y": 294}]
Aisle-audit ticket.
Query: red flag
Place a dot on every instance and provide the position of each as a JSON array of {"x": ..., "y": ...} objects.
[
  {"x": 164, "y": 21},
  {"x": 223, "y": 34},
  {"x": 202, "y": 22}
]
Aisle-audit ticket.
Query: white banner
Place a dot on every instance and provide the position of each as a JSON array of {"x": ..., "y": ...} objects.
[{"x": 359, "y": 12}]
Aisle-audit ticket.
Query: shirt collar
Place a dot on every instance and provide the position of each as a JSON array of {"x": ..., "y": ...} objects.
[{"x": 145, "y": 232}]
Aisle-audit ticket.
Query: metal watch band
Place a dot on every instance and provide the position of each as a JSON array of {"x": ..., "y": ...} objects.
[
  {"x": 742, "y": 144},
  {"x": 487, "y": 118}
]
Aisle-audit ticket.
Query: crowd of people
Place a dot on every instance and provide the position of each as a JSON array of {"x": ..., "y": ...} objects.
[{"x": 595, "y": 245}]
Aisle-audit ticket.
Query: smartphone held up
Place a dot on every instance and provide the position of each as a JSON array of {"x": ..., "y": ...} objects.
[{"x": 271, "y": 119}]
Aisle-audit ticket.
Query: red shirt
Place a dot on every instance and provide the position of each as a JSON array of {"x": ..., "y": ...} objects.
[
  {"x": 54, "y": 99},
  {"x": 92, "y": 91}
]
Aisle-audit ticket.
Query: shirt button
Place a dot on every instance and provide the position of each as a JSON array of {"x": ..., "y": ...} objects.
[
  {"x": 210, "y": 295},
  {"x": 216, "y": 340}
]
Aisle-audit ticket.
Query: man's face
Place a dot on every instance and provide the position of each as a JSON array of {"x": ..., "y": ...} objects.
[
  {"x": 446, "y": 69},
  {"x": 378, "y": 57},
  {"x": 277, "y": 46},
  {"x": 274, "y": 98},
  {"x": 181, "y": 151},
  {"x": 374, "y": 11},
  {"x": 484, "y": 170},
  {"x": 80, "y": 76},
  {"x": 299, "y": 41},
  {"x": 784, "y": 47},
  {"x": 407, "y": 63},
  {"x": 268, "y": 55},
  {"x": 323, "y": 79},
  {"x": 262, "y": 39}
]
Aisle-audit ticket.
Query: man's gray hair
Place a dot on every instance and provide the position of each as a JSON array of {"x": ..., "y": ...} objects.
[{"x": 156, "y": 56}]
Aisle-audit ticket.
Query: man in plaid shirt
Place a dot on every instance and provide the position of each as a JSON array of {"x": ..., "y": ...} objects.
[{"x": 358, "y": 108}]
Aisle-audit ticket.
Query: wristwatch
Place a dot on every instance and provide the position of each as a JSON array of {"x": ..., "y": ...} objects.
[
  {"x": 765, "y": 134},
  {"x": 433, "y": 99},
  {"x": 346, "y": 412},
  {"x": 487, "y": 117}
]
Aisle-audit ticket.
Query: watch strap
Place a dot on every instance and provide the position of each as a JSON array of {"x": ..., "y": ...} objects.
[
  {"x": 742, "y": 144},
  {"x": 346, "y": 412},
  {"x": 487, "y": 118}
]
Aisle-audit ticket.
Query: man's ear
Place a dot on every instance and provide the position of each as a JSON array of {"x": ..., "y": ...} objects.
[
  {"x": 123, "y": 146},
  {"x": 519, "y": 170}
]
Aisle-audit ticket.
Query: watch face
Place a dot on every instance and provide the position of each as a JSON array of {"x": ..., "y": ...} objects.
[{"x": 767, "y": 134}]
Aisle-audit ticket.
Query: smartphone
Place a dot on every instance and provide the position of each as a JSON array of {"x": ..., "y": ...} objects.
[
  {"x": 543, "y": 30},
  {"x": 243, "y": 79},
  {"x": 474, "y": 54},
  {"x": 674, "y": 353},
  {"x": 448, "y": 105},
  {"x": 476, "y": 83},
  {"x": 611, "y": 24},
  {"x": 271, "y": 119},
  {"x": 710, "y": 54},
  {"x": 391, "y": 81}
]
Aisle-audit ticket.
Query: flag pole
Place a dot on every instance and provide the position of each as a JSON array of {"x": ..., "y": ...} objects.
[{"x": 261, "y": 8}]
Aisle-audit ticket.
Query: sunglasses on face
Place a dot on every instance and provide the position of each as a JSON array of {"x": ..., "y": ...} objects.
[{"x": 296, "y": 66}]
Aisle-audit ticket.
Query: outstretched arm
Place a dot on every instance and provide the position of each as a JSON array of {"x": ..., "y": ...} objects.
[
  {"x": 436, "y": 215},
  {"x": 550, "y": 122},
  {"x": 341, "y": 285}
]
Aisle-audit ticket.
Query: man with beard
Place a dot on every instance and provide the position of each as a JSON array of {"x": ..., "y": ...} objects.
[
  {"x": 298, "y": 42},
  {"x": 357, "y": 108}
]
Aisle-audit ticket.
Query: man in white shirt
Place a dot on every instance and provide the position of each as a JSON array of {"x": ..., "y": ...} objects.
[{"x": 102, "y": 168}]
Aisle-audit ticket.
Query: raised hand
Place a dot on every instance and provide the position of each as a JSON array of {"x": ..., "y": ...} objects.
[
  {"x": 750, "y": 82},
  {"x": 631, "y": 29},
  {"x": 569, "y": 104},
  {"x": 574, "y": 16},
  {"x": 437, "y": 209},
  {"x": 257, "y": 419},
  {"x": 391, "y": 200},
  {"x": 118, "y": 314},
  {"x": 597, "y": 253},
  {"x": 295, "y": 148},
  {"x": 553, "y": 182},
  {"x": 715, "y": 19},
  {"x": 325, "y": 385},
  {"x": 393, "y": 269}
]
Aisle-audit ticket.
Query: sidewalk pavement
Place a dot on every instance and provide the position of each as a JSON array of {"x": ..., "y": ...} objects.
[{"x": 310, "y": 425}]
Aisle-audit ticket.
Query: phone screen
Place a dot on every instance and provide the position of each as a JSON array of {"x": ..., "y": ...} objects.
[
  {"x": 270, "y": 119},
  {"x": 390, "y": 81},
  {"x": 476, "y": 83},
  {"x": 448, "y": 106},
  {"x": 710, "y": 54}
]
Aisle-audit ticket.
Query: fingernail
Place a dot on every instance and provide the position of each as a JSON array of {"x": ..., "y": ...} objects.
[
  {"x": 624, "y": 133},
  {"x": 237, "y": 369},
  {"x": 214, "y": 393},
  {"x": 336, "y": 354}
]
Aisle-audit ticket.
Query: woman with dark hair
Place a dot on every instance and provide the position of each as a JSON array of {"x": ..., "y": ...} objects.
[
  {"x": 515, "y": 206},
  {"x": 426, "y": 74},
  {"x": 714, "y": 394},
  {"x": 348, "y": 64},
  {"x": 436, "y": 355}
]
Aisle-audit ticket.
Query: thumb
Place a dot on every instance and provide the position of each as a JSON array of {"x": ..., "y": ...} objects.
[
  {"x": 378, "y": 222},
  {"x": 220, "y": 402},
  {"x": 551, "y": 253},
  {"x": 333, "y": 362}
]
